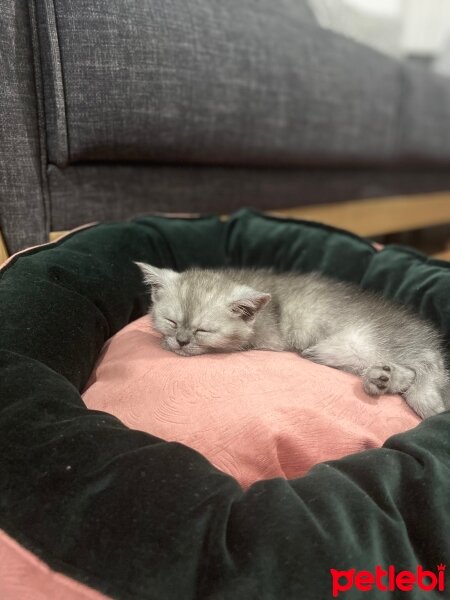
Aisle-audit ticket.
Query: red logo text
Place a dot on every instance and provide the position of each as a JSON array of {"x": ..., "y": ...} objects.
[{"x": 387, "y": 580}]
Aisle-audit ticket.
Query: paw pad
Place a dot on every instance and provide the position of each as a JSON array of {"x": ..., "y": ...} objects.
[{"x": 377, "y": 380}]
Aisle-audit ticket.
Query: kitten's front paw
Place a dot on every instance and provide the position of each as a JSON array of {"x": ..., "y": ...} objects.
[{"x": 376, "y": 380}]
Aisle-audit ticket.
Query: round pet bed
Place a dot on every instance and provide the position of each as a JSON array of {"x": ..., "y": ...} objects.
[{"x": 132, "y": 516}]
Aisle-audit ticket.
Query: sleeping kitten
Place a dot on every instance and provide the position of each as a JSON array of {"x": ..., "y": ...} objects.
[{"x": 337, "y": 324}]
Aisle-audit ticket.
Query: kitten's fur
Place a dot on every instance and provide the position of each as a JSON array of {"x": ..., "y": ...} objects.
[{"x": 337, "y": 324}]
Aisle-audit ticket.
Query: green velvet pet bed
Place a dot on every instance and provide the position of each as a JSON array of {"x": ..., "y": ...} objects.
[{"x": 101, "y": 509}]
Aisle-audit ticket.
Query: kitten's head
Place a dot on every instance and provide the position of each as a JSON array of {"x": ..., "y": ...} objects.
[{"x": 200, "y": 311}]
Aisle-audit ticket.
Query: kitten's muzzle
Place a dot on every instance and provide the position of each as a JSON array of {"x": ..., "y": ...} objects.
[{"x": 182, "y": 340}]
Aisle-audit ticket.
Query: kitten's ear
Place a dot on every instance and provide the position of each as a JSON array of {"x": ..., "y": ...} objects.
[
  {"x": 248, "y": 303},
  {"x": 155, "y": 277}
]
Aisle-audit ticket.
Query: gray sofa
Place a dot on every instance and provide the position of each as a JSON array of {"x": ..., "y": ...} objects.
[{"x": 110, "y": 109}]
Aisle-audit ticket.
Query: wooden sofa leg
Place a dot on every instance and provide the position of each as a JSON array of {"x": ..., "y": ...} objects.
[{"x": 3, "y": 251}]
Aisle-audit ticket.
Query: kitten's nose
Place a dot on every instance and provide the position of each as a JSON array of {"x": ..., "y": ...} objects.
[{"x": 182, "y": 340}]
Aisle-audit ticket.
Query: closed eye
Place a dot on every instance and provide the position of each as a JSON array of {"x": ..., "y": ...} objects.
[
  {"x": 203, "y": 331},
  {"x": 172, "y": 323}
]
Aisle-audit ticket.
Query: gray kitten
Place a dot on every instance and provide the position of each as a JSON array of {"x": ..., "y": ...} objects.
[{"x": 337, "y": 324}]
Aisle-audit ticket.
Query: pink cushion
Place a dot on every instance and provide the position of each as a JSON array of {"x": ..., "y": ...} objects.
[
  {"x": 24, "y": 577},
  {"x": 254, "y": 415}
]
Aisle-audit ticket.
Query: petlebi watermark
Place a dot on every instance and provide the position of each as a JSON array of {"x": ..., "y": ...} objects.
[{"x": 388, "y": 580}]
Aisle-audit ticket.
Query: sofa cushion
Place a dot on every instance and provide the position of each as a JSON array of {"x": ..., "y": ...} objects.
[{"x": 209, "y": 82}]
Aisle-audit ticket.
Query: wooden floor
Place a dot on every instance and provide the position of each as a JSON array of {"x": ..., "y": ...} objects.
[
  {"x": 444, "y": 255},
  {"x": 378, "y": 216}
]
